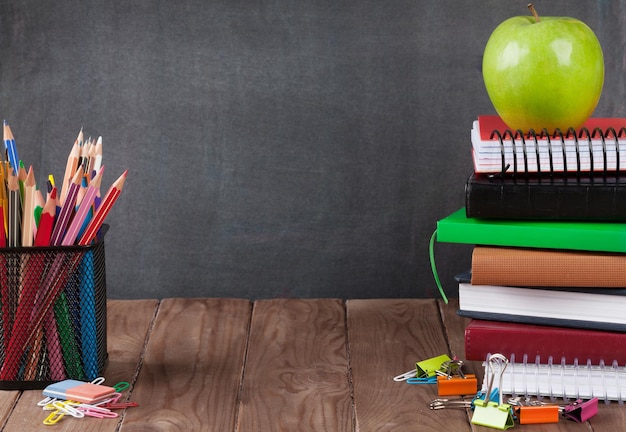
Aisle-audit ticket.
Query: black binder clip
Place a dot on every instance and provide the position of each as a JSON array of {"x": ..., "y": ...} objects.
[{"x": 580, "y": 411}]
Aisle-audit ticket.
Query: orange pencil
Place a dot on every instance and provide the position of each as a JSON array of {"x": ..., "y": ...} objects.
[{"x": 103, "y": 210}]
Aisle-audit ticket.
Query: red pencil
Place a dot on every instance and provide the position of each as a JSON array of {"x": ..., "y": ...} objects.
[
  {"x": 103, "y": 210},
  {"x": 44, "y": 231}
]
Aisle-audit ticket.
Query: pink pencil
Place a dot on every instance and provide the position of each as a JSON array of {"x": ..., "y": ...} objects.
[{"x": 83, "y": 209}]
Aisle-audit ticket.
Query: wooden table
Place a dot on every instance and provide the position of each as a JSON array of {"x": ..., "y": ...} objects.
[{"x": 277, "y": 365}]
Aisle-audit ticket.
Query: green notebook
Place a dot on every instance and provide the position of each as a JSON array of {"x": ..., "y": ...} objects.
[{"x": 591, "y": 236}]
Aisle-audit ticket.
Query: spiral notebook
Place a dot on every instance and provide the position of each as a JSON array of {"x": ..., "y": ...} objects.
[
  {"x": 599, "y": 146},
  {"x": 554, "y": 379}
]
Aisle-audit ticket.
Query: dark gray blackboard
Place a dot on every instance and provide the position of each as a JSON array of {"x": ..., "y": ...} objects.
[{"x": 274, "y": 148}]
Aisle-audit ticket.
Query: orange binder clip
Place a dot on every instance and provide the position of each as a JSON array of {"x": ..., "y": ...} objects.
[
  {"x": 536, "y": 414},
  {"x": 457, "y": 386},
  {"x": 451, "y": 381}
]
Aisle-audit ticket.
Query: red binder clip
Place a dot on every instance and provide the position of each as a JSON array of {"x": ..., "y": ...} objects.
[
  {"x": 580, "y": 411},
  {"x": 451, "y": 381}
]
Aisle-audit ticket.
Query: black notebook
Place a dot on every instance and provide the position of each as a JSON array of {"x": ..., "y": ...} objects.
[{"x": 558, "y": 197}]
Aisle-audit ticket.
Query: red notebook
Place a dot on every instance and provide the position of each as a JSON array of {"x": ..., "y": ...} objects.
[{"x": 484, "y": 337}]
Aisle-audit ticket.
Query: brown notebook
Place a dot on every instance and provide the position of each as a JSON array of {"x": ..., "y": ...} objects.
[{"x": 527, "y": 267}]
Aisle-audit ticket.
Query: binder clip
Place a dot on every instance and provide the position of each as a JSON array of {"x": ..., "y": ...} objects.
[
  {"x": 451, "y": 381},
  {"x": 497, "y": 415},
  {"x": 534, "y": 412},
  {"x": 429, "y": 367},
  {"x": 580, "y": 411}
]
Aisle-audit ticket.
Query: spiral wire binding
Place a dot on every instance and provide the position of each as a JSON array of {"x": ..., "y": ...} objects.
[{"x": 518, "y": 141}]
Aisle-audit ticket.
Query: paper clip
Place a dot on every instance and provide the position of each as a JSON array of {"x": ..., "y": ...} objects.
[
  {"x": 53, "y": 418},
  {"x": 405, "y": 376},
  {"x": 96, "y": 411},
  {"x": 451, "y": 381},
  {"x": 121, "y": 386},
  {"x": 119, "y": 405},
  {"x": 580, "y": 411},
  {"x": 46, "y": 401},
  {"x": 424, "y": 380},
  {"x": 67, "y": 407},
  {"x": 534, "y": 412},
  {"x": 497, "y": 415},
  {"x": 429, "y": 367},
  {"x": 98, "y": 381}
]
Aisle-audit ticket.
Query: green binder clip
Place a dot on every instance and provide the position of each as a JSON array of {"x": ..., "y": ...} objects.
[
  {"x": 429, "y": 367},
  {"x": 496, "y": 415}
]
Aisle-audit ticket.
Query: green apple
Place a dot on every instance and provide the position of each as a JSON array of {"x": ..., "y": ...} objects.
[{"x": 543, "y": 72}]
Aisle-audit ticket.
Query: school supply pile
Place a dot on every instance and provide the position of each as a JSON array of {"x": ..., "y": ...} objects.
[
  {"x": 488, "y": 406},
  {"x": 52, "y": 268},
  {"x": 78, "y": 399},
  {"x": 545, "y": 216}
]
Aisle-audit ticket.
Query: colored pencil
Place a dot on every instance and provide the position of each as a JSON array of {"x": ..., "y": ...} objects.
[
  {"x": 66, "y": 210},
  {"x": 71, "y": 166},
  {"x": 46, "y": 223},
  {"x": 103, "y": 210},
  {"x": 9, "y": 145},
  {"x": 83, "y": 209},
  {"x": 15, "y": 212},
  {"x": 28, "y": 223}
]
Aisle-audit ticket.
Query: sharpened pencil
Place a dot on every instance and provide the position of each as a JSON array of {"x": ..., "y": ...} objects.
[{"x": 103, "y": 210}]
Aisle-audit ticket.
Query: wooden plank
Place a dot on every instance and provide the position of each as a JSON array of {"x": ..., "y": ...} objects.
[
  {"x": 387, "y": 338},
  {"x": 296, "y": 375},
  {"x": 7, "y": 402},
  {"x": 128, "y": 322},
  {"x": 192, "y": 367}
]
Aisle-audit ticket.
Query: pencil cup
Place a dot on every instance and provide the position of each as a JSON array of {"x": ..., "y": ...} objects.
[{"x": 53, "y": 315}]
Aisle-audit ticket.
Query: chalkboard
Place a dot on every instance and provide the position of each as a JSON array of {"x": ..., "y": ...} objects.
[{"x": 273, "y": 148}]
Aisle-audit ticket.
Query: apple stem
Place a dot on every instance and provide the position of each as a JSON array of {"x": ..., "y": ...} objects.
[{"x": 531, "y": 7}]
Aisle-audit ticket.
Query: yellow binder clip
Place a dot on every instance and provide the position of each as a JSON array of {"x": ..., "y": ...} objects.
[
  {"x": 451, "y": 381},
  {"x": 429, "y": 367},
  {"x": 497, "y": 415}
]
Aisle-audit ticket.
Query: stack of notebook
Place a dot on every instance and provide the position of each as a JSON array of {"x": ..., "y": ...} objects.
[{"x": 546, "y": 212}]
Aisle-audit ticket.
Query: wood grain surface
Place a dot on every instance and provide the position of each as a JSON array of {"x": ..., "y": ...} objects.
[
  {"x": 296, "y": 375},
  {"x": 278, "y": 365}
]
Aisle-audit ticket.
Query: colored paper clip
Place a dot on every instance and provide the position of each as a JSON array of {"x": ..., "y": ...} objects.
[
  {"x": 53, "y": 418},
  {"x": 424, "y": 380},
  {"x": 534, "y": 412},
  {"x": 121, "y": 386},
  {"x": 119, "y": 405},
  {"x": 497, "y": 415},
  {"x": 451, "y": 381},
  {"x": 429, "y": 367},
  {"x": 580, "y": 411},
  {"x": 96, "y": 411}
]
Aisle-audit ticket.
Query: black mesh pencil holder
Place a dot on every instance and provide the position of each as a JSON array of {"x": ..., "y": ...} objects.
[{"x": 53, "y": 314}]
